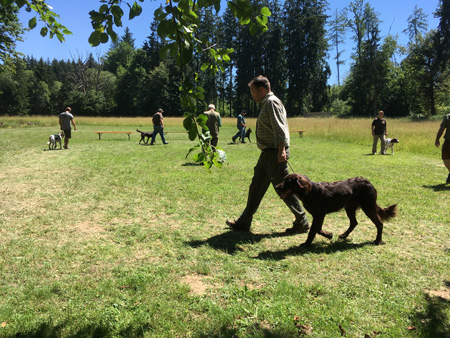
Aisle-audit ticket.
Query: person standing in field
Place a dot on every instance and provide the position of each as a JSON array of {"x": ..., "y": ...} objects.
[
  {"x": 65, "y": 121},
  {"x": 445, "y": 126},
  {"x": 241, "y": 127},
  {"x": 214, "y": 123},
  {"x": 158, "y": 126},
  {"x": 379, "y": 132},
  {"x": 272, "y": 137}
]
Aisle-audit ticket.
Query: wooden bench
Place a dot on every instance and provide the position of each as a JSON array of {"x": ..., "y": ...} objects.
[
  {"x": 300, "y": 132},
  {"x": 113, "y": 132}
]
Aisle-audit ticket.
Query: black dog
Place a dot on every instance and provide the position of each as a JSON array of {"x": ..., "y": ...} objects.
[
  {"x": 145, "y": 135},
  {"x": 247, "y": 135},
  {"x": 321, "y": 198}
]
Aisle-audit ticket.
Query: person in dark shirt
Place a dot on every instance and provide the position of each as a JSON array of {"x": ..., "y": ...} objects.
[
  {"x": 158, "y": 126},
  {"x": 65, "y": 121},
  {"x": 379, "y": 132},
  {"x": 445, "y": 126}
]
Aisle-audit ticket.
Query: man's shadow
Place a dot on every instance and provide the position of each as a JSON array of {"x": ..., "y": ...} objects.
[
  {"x": 229, "y": 242},
  {"x": 438, "y": 187}
]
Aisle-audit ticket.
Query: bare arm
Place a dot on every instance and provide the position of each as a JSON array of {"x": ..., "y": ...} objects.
[
  {"x": 437, "y": 143},
  {"x": 74, "y": 126}
]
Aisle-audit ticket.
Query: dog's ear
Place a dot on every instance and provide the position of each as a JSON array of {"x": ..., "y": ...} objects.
[{"x": 304, "y": 184}]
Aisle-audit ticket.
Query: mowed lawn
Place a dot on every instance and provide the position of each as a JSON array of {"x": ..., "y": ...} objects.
[{"x": 115, "y": 239}]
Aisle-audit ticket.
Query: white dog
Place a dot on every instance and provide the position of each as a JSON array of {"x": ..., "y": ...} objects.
[
  {"x": 390, "y": 142},
  {"x": 53, "y": 139}
]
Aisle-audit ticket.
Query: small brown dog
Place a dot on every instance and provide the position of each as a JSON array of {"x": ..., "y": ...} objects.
[{"x": 321, "y": 198}]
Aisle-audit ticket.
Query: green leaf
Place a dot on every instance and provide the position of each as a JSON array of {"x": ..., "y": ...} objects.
[
  {"x": 103, "y": 9},
  {"x": 117, "y": 12},
  {"x": 186, "y": 55},
  {"x": 164, "y": 52},
  {"x": 104, "y": 38},
  {"x": 202, "y": 119},
  {"x": 192, "y": 149},
  {"x": 44, "y": 31},
  {"x": 188, "y": 123},
  {"x": 200, "y": 157},
  {"x": 32, "y": 23},
  {"x": 135, "y": 11},
  {"x": 204, "y": 67},
  {"x": 192, "y": 134},
  {"x": 94, "y": 38},
  {"x": 200, "y": 96},
  {"x": 20, "y": 3},
  {"x": 265, "y": 11}
]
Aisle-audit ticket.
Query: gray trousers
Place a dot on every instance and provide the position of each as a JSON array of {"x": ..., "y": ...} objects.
[
  {"x": 382, "y": 138},
  {"x": 266, "y": 171}
]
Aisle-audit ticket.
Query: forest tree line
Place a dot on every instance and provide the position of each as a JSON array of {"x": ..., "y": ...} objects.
[{"x": 133, "y": 81}]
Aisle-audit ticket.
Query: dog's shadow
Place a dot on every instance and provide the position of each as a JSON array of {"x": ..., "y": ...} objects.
[
  {"x": 438, "y": 187},
  {"x": 315, "y": 248},
  {"x": 229, "y": 241},
  {"x": 52, "y": 149}
]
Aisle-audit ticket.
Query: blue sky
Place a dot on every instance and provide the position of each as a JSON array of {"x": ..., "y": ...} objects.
[{"x": 75, "y": 15}]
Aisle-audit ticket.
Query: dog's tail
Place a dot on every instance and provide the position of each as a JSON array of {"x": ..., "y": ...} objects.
[
  {"x": 48, "y": 142},
  {"x": 386, "y": 214},
  {"x": 139, "y": 131}
]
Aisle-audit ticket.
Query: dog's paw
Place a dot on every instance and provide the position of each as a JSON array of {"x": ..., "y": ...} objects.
[{"x": 378, "y": 242}]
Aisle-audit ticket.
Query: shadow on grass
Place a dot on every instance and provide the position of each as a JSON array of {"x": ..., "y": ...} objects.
[
  {"x": 229, "y": 241},
  {"x": 192, "y": 164},
  {"x": 49, "y": 330},
  {"x": 313, "y": 249},
  {"x": 438, "y": 187},
  {"x": 434, "y": 321}
]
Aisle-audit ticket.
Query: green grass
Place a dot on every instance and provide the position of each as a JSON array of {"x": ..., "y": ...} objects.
[{"x": 116, "y": 239}]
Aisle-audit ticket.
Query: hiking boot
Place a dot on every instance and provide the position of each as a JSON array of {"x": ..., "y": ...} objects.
[
  {"x": 298, "y": 229},
  {"x": 238, "y": 225}
]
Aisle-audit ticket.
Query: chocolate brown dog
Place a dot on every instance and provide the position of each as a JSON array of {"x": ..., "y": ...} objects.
[
  {"x": 144, "y": 135},
  {"x": 321, "y": 198}
]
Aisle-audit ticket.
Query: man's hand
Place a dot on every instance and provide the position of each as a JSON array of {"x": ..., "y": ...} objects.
[{"x": 282, "y": 156}]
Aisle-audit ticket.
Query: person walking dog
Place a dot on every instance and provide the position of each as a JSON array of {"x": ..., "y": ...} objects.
[
  {"x": 241, "y": 127},
  {"x": 272, "y": 137},
  {"x": 65, "y": 121},
  {"x": 158, "y": 126}
]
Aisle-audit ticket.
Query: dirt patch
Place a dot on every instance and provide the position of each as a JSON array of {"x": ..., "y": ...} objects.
[
  {"x": 88, "y": 227},
  {"x": 443, "y": 293},
  {"x": 195, "y": 282}
]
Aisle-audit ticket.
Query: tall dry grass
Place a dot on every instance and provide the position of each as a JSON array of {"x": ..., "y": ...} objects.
[{"x": 416, "y": 137}]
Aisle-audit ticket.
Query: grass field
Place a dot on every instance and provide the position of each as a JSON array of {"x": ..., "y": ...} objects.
[{"x": 115, "y": 239}]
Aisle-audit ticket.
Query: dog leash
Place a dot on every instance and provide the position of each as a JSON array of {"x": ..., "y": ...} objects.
[{"x": 293, "y": 171}]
